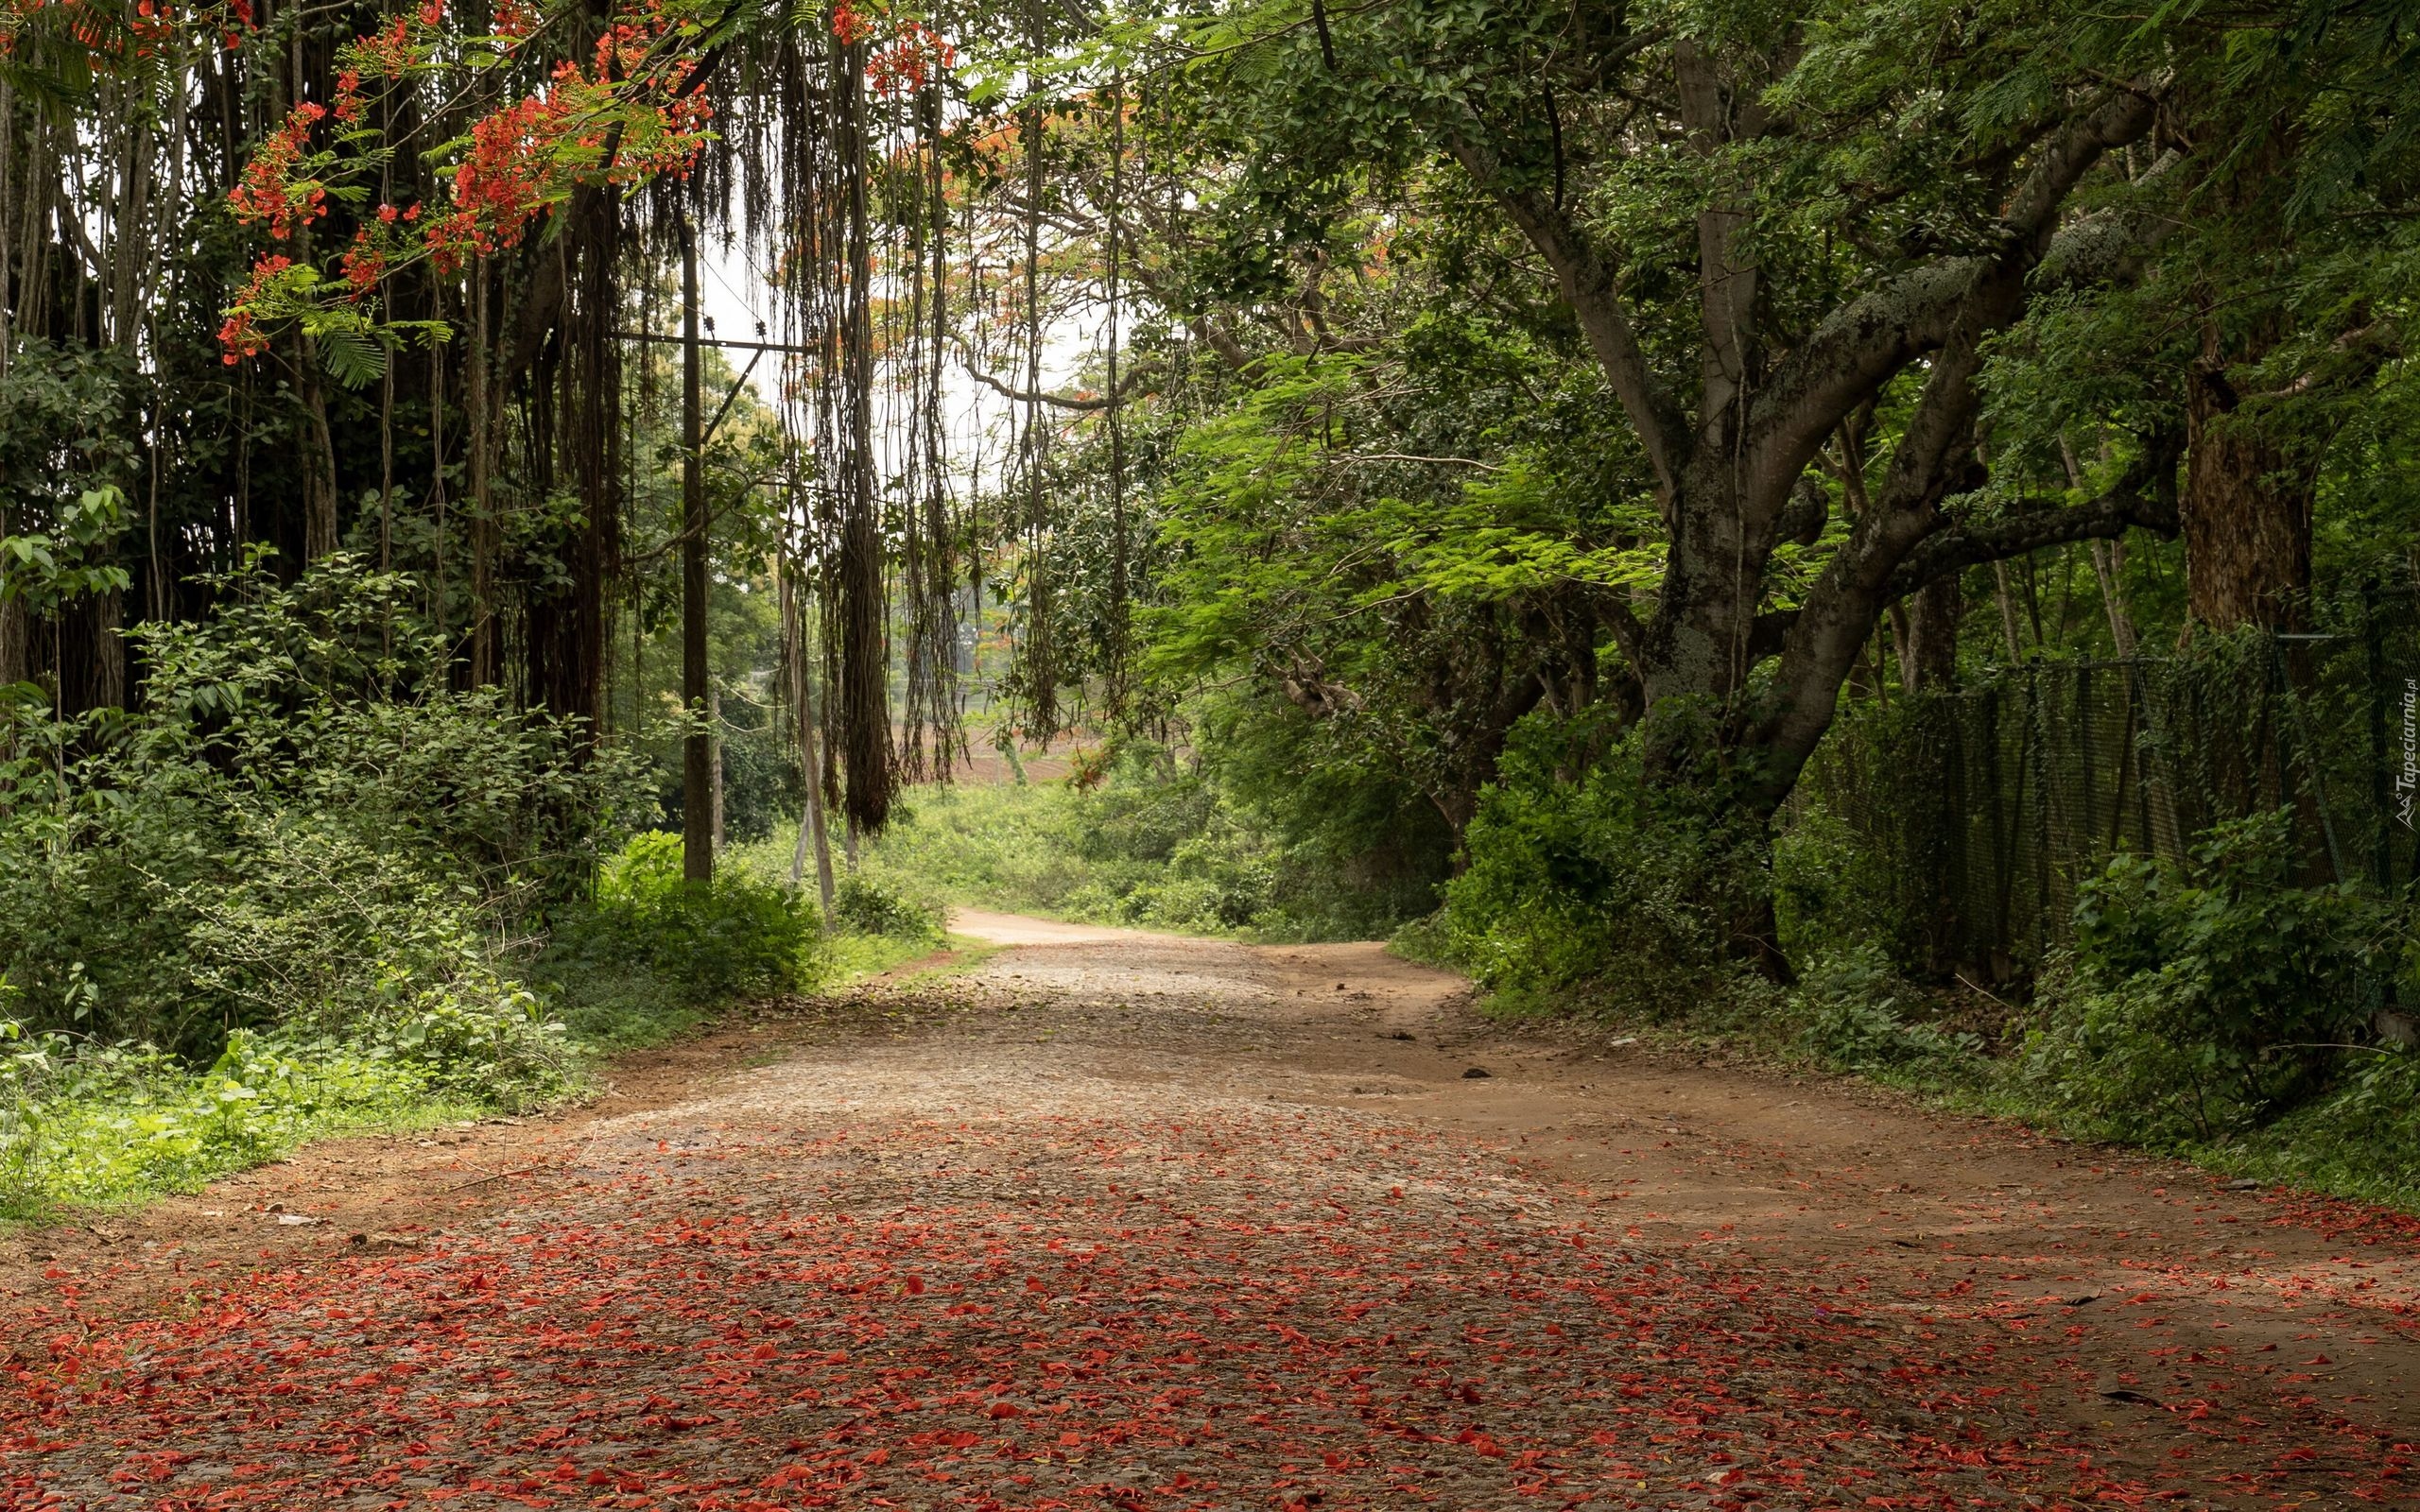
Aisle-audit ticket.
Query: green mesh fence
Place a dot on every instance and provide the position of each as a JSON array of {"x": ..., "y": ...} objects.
[{"x": 1983, "y": 807}]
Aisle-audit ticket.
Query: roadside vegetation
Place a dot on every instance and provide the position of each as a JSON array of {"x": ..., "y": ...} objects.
[
  {"x": 1143, "y": 839},
  {"x": 2221, "y": 1008},
  {"x": 310, "y": 887}
]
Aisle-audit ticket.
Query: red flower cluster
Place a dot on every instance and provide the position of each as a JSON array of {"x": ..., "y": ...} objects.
[
  {"x": 110, "y": 36},
  {"x": 268, "y": 191},
  {"x": 364, "y": 264},
  {"x": 242, "y": 336},
  {"x": 387, "y": 52},
  {"x": 915, "y": 57},
  {"x": 633, "y": 116},
  {"x": 499, "y": 185},
  {"x": 847, "y": 25},
  {"x": 153, "y": 22}
]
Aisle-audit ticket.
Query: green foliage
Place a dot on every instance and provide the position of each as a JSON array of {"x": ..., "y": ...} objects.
[
  {"x": 743, "y": 936},
  {"x": 1152, "y": 843},
  {"x": 1000, "y": 846},
  {"x": 1584, "y": 873},
  {"x": 2201, "y": 1001},
  {"x": 1152, "y": 852},
  {"x": 2361, "y": 1139},
  {"x": 302, "y": 824},
  {"x": 88, "y": 1122},
  {"x": 1854, "y": 1013},
  {"x": 1831, "y": 887},
  {"x": 868, "y": 905},
  {"x": 280, "y": 897},
  {"x": 64, "y": 444}
]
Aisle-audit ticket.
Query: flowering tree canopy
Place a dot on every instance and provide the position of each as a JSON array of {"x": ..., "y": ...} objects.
[{"x": 631, "y": 112}]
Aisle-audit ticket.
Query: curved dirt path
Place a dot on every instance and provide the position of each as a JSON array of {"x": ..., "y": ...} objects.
[{"x": 1133, "y": 1221}]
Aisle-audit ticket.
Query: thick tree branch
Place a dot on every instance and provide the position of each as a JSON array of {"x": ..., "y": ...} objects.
[
  {"x": 2131, "y": 503},
  {"x": 1622, "y": 622},
  {"x": 1589, "y": 285},
  {"x": 1863, "y": 345},
  {"x": 1727, "y": 276},
  {"x": 1770, "y": 633}
]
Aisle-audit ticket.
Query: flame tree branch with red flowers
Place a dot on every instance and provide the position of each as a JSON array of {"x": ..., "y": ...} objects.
[{"x": 631, "y": 113}]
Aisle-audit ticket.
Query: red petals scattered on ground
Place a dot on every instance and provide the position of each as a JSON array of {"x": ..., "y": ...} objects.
[
  {"x": 1042, "y": 1313},
  {"x": 1011, "y": 1283}
]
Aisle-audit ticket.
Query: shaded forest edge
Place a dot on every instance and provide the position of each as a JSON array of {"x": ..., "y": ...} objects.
[{"x": 2217, "y": 1006}]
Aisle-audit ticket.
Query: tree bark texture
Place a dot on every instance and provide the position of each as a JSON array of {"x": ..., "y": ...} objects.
[
  {"x": 2245, "y": 512},
  {"x": 865, "y": 662}
]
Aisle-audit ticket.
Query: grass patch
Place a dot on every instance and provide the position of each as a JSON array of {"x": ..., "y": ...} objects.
[
  {"x": 854, "y": 957},
  {"x": 122, "y": 1124},
  {"x": 1008, "y": 846}
]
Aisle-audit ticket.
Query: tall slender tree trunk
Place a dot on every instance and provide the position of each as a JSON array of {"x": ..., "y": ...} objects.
[
  {"x": 697, "y": 749},
  {"x": 865, "y": 684},
  {"x": 320, "y": 456},
  {"x": 7, "y": 226},
  {"x": 2109, "y": 569},
  {"x": 1928, "y": 651},
  {"x": 437, "y": 462},
  {"x": 802, "y": 691},
  {"x": 714, "y": 741},
  {"x": 481, "y": 419}
]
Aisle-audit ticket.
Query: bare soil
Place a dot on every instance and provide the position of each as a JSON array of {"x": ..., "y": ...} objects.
[{"x": 1130, "y": 1220}]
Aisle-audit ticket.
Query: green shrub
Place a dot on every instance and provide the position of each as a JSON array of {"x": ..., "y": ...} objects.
[
  {"x": 742, "y": 937},
  {"x": 2200, "y": 1000},
  {"x": 1830, "y": 888},
  {"x": 484, "y": 1039},
  {"x": 1639, "y": 891},
  {"x": 875, "y": 905},
  {"x": 299, "y": 806},
  {"x": 1854, "y": 1013}
]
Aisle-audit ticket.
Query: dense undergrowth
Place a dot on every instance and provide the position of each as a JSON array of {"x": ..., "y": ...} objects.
[
  {"x": 2218, "y": 1009},
  {"x": 309, "y": 885}
]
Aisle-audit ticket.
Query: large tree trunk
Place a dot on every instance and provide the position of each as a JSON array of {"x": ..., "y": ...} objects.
[
  {"x": 2245, "y": 512},
  {"x": 564, "y": 628},
  {"x": 1928, "y": 653},
  {"x": 1727, "y": 447}
]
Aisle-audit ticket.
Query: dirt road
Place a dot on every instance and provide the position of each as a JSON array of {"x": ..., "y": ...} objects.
[{"x": 1129, "y": 1221}]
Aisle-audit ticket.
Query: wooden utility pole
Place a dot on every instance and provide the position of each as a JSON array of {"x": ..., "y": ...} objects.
[{"x": 697, "y": 752}]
